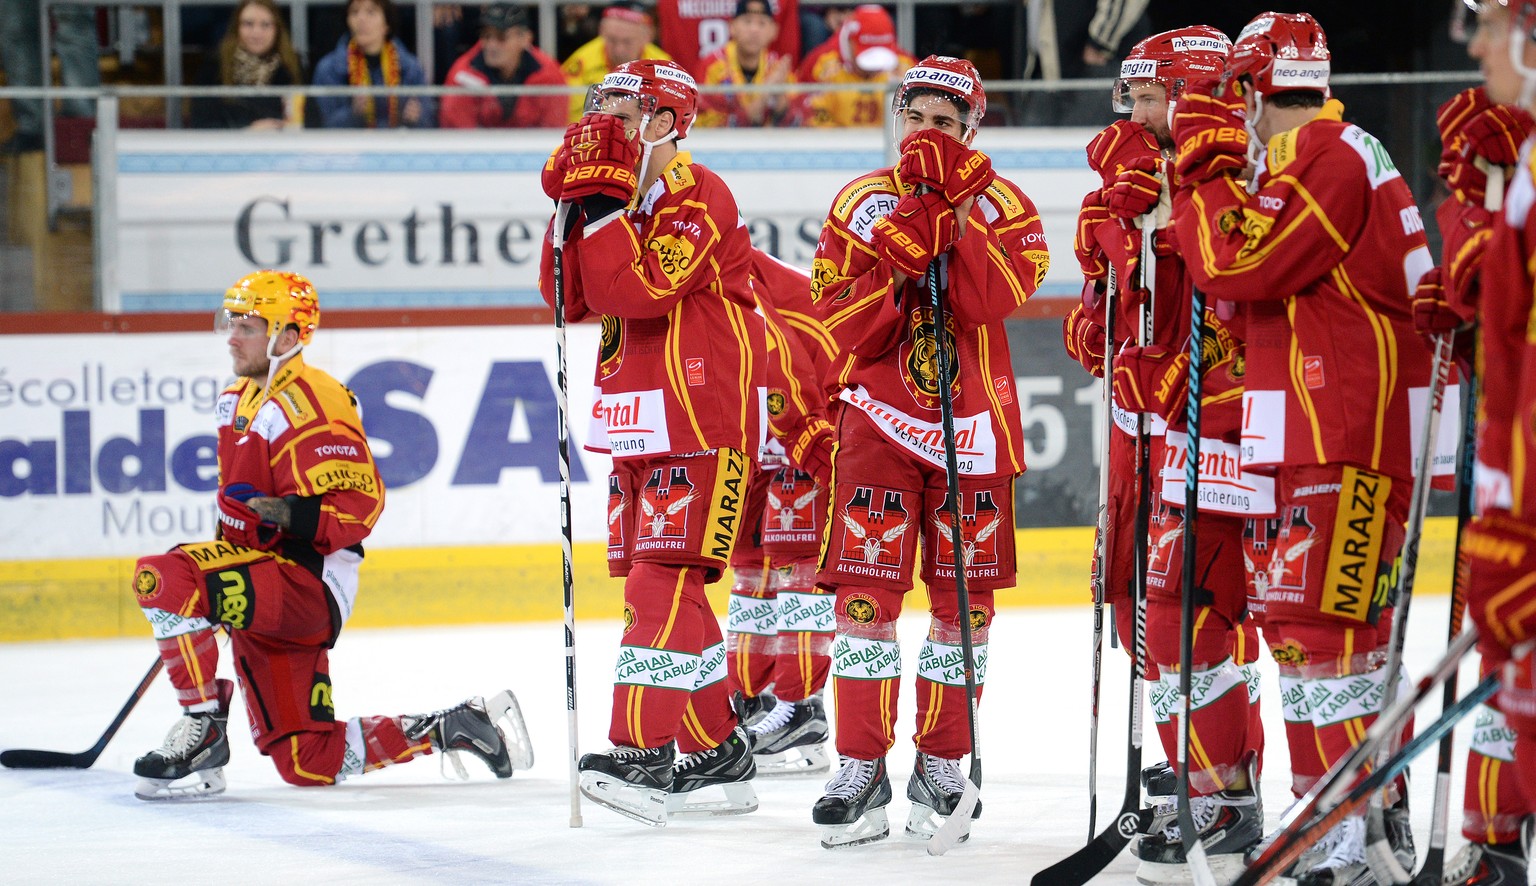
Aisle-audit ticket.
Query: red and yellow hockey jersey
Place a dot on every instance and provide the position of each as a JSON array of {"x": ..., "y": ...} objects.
[
  {"x": 887, "y": 366},
  {"x": 681, "y": 367},
  {"x": 1506, "y": 354},
  {"x": 799, "y": 352},
  {"x": 1325, "y": 257},
  {"x": 742, "y": 108},
  {"x": 854, "y": 107},
  {"x": 304, "y": 441},
  {"x": 692, "y": 30}
]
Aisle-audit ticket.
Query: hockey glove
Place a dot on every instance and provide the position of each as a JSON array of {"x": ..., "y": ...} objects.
[
  {"x": 602, "y": 159},
  {"x": 1152, "y": 379},
  {"x": 1432, "y": 314},
  {"x": 1084, "y": 338},
  {"x": 812, "y": 450},
  {"x": 1493, "y": 136},
  {"x": 1209, "y": 130},
  {"x": 920, "y": 227},
  {"x": 552, "y": 179},
  {"x": 1137, "y": 189},
  {"x": 928, "y": 157},
  {"x": 1452, "y": 116},
  {"x": 1090, "y": 256},
  {"x": 1120, "y": 144},
  {"x": 1501, "y": 554},
  {"x": 239, "y": 524}
]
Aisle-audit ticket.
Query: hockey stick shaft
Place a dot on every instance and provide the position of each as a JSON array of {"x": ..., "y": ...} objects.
[
  {"x": 1434, "y": 857},
  {"x": 567, "y": 555},
  {"x": 24, "y": 758},
  {"x": 1101, "y": 550},
  {"x": 959, "y": 819}
]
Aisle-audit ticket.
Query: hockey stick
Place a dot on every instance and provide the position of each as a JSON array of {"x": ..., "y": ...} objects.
[
  {"x": 1326, "y": 792},
  {"x": 1434, "y": 857},
  {"x": 1101, "y": 556},
  {"x": 24, "y": 758},
  {"x": 958, "y": 823},
  {"x": 563, "y": 408},
  {"x": 1194, "y": 847},
  {"x": 1378, "y": 850}
]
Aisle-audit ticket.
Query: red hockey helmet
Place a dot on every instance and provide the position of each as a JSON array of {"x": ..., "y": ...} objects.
[
  {"x": 954, "y": 78},
  {"x": 659, "y": 85},
  {"x": 1282, "y": 52},
  {"x": 1174, "y": 59}
]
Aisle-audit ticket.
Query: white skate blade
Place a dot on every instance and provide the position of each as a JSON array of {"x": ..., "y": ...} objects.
[
  {"x": 504, "y": 711},
  {"x": 873, "y": 826},
  {"x": 808, "y": 759},
  {"x": 643, "y": 805},
  {"x": 739, "y": 799},
  {"x": 197, "y": 786},
  {"x": 923, "y": 822},
  {"x": 957, "y": 825},
  {"x": 1225, "y": 869}
]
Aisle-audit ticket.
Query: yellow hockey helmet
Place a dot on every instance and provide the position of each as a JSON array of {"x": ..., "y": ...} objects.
[{"x": 280, "y": 298}]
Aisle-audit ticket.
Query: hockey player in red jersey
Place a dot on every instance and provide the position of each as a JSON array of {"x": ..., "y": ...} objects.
[
  {"x": 1321, "y": 258},
  {"x": 693, "y": 30},
  {"x": 780, "y": 623},
  {"x": 298, "y": 493},
  {"x": 941, "y": 202},
  {"x": 1133, "y": 158},
  {"x": 1486, "y": 279},
  {"x": 655, "y": 247}
]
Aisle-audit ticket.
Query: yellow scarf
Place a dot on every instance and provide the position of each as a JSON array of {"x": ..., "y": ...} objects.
[{"x": 357, "y": 75}]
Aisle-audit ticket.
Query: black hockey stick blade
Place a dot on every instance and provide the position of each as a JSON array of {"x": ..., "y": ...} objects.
[
  {"x": 25, "y": 758},
  {"x": 1086, "y": 863}
]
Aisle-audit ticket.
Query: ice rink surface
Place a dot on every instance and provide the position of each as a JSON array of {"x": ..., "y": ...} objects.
[{"x": 406, "y": 824}]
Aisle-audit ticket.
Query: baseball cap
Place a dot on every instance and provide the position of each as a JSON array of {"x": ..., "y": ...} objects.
[
  {"x": 868, "y": 40},
  {"x": 748, "y": 7},
  {"x": 502, "y": 16}
]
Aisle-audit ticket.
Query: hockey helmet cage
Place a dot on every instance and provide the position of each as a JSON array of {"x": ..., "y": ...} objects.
[
  {"x": 1282, "y": 52},
  {"x": 659, "y": 85},
  {"x": 1173, "y": 59},
  {"x": 277, "y": 297},
  {"x": 955, "y": 78}
]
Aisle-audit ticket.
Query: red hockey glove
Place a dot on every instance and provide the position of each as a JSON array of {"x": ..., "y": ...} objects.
[
  {"x": 1084, "y": 338},
  {"x": 1208, "y": 128},
  {"x": 602, "y": 159},
  {"x": 1117, "y": 146},
  {"x": 920, "y": 227},
  {"x": 1501, "y": 553},
  {"x": 1493, "y": 136},
  {"x": 971, "y": 177},
  {"x": 553, "y": 177},
  {"x": 812, "y": 450},
  {"x": 1152, "y": 379},
  {"x": 1464, "y": 258},
  {"x": 1457, "y": 110},
  {"x": 1432, "y": 314},
  {"x": 928, "y": 156},
  {"x": 239, "y": 524},
  {"x": 1086, "y": 244},
  {"x": 1137, "y": 188}
]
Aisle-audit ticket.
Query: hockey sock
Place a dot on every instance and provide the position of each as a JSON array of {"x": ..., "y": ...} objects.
[
  {"x": 375, "y": 742},
  {"x": 659, "y": 655},
  {"x": 1307, "y": 762},
  {"x": 1494, "y": 802},
  {"x": 191, "y": 659},
  {"x": 805, "y": 624},
  {"x": 1218, "y": 726},
  {"x": 1344, "y": 707},
  {"x": 866, "y": 671},
  {"x": 943, "y": 728},
  {"x": 708, "y": 718},
  {"x": 1245, "y": 651},
  {"x": 751, "y": 641}
]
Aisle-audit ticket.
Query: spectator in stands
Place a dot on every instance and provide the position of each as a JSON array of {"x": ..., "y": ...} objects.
[
  {"x": 505, "y": 56},
  {"x": 578, "y": 24},
  {"x": 746, "y": 59},
  {"x": 693, "y": 30},
  {"x": 626, "y": 33},
  {"x": 74, "y": 41},
  {"x": 255, "y": 51},
  {"x": 1071, "y": 40},
  {"x": 862, "y": 53},
  {"x": 371, "y": 56}
]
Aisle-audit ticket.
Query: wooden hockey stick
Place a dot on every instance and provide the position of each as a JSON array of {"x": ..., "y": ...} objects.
[
  {"x": 562, "y": 210},
  {"x": 24, "y": 758}
]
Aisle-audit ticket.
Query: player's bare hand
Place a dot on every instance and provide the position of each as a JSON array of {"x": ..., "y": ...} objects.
[{"x": 272, "y": 510}]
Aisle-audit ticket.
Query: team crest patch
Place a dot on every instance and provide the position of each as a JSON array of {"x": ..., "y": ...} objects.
[
  {"x": 665, "y": 500},
  {"x": 147, "y": 584},
  {"x": 776, "y": 402},
  {"x": 629, "y": 617},
  {"x": 241, "y": 422},
  {"x": 920, "y": 356},
  {"x": 873, "y": 524},
  {"x": 979, "y": 618},
  {"x": 980, "y": 521},
  {"x": 610, "y": 351},
  {"x": 861, "y": 609},
  {"x": 1288, "y": 653}
]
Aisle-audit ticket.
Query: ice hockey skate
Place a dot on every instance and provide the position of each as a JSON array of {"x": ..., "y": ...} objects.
[
  {"x": 1229, "y": 824},
  {"x": 1159, "y": 783},
  {"x": 1343, "y": 865},
  {"x": 935, "y": 789},
  {"x": 727, "y": 766},
  {"x": 633, "y": 782},
  {"x": 852, "y": 812},
  {"x": 752, "y": 709},
  {"x": 476, "y": 728},
  {"x": 190, "y": 765},
  {"x": 1492, "y": 864},
  {"x": 791, "y": 739}
]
